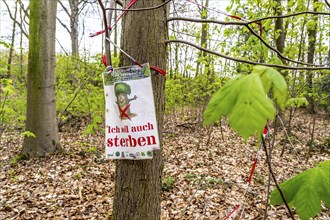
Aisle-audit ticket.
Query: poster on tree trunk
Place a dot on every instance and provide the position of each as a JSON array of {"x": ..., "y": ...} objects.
[{"x": 131, "y": 130}]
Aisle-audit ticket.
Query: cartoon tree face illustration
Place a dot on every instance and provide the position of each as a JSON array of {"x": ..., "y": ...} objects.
[{"x": 122, "y": 90}]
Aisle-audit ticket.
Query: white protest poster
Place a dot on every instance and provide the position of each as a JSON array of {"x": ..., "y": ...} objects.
[{"x": 131, "y": 130}]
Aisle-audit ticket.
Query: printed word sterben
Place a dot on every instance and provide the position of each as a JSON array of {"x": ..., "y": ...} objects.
[{"x": 131, "y": 141}]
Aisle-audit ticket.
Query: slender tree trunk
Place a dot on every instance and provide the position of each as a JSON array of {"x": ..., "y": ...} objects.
[
  {"x": 279, "y": 28},
  {"x": 311, "y": 32},
  {"x": 21, "y": 53},
  {"x": 138, "y": 183},
  {"x": 280, "y": 43},
  {"x": 74, "y": 27},
  {"x": 204, "y": 33},
  {"x": 115, "y": 39},
  {"x": 41, "y": 112},
  {"x": 11, "y": 49}
]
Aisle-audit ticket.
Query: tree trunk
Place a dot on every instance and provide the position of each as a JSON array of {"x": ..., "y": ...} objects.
[
  {"x": 74, "y": 27},
  {"x": 41, "y": 112},
  {"x": 138, "y": 183},
  {"x": 280, "y": 44},
  {"x": 279, "y": 28},
  {"x": 311, "y": 32},
  {"x": 11, "y": 50},
  {"x": 202, "y": 54}
]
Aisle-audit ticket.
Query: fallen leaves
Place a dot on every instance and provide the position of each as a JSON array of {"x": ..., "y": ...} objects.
[{"x": 210, "y": 174}]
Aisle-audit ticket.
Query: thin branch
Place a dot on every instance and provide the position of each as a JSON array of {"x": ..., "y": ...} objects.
[
  {"x": 246, "y": 24},
  {"x": 274, "y": 178},
  {"x": 81, "y": 86},
  {"x": 119, "y": 2},
  {"x": 327, "y": 3},
  {"x": 26, "y": 11},
  {"x": 65, "y": 27},
  {"x": 107, "y": 44},
  {"x": 246, "y": 61},
  {"x": 59, "y": 43},
  {"x": 289, "y": 15},
  {"x": 64, "y": 8},
  {"x": 278, "y": 52},
  {"x": 15, "y": 21},
  {"x": 207, "y": 21},
  {"x": 140, "y": 9}
]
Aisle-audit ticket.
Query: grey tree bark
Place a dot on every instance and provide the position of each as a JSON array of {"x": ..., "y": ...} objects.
[
  {"x": 311, "y": 32},
  {"x": 204, "y": 32},
  {"x": 73, "y": 12},
  {"x": 138, "y": 183},
  {"x": 41, "y": 108}
]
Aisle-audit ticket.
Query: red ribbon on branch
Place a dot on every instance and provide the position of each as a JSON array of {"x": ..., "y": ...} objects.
[{"x": 132, "y": 2}]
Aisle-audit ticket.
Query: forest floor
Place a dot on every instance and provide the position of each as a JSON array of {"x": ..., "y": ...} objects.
[{"x": 205, "y": 173}]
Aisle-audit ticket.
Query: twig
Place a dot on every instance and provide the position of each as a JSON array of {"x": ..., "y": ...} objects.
[
  {"x": 274, "y": 178},
  {"x": 270, "y": 159},
  {"x": 245, "y": 61},
  {"x": 190, "y": 200},
  {"x": 74, "y": 97},
  {"x": 327, "y": 3},
  {"x": 286, "y": 134}
]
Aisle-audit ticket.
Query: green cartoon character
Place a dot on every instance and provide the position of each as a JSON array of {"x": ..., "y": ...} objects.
[{"x": 122, "y": 91}]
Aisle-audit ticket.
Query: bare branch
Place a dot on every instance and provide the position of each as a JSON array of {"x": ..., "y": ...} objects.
[
  {"x": 65, "y": 27},
  {"x": 26, "y": 11},
  {"x": 64, "y": 8},
  {"x": 289, "y": 15},
  {"x": 119, "y": 2},
  {"x": 245, "y": 61},
  {"x": 246, "y": 24},
  {"x": 207, "y": 21},
  {"x": 15, "y": 21}
]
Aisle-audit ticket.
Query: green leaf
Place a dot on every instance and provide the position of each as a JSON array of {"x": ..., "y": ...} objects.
[
  {"x": 306, "y": 190},
  {"x": 252, "y": 108},
  {"x": 5, "y": 44},
  {"x": 27, "y": 134},
  {"x": 298, "y": 102},
  {"x": 272, "y": 78},
  {"x": 172, "y": 37},
  {"x": 97, "y": 119},
  {"x": 222, "y": 101},
  {"x": 275, "y": 60},
  {"x": 245, "y": 101}
]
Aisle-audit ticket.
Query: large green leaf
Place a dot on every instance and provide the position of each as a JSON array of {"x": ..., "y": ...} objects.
[
  {"x": 306, "y": 190},
  {"x": 272, "y": 78},
  {"x": 222, "y": 101},
  {"x": 252, "y": 108},
  {"x": 245, "y": 101}
]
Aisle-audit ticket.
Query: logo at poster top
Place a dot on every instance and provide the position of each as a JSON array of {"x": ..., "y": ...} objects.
[{"x": 122, "y": 91}]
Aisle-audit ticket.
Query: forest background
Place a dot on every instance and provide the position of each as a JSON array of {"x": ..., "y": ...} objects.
[{"x": 193, "y": 76}]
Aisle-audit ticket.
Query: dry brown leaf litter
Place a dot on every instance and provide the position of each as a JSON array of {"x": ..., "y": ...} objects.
[{"x": 209, "y": 173}]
